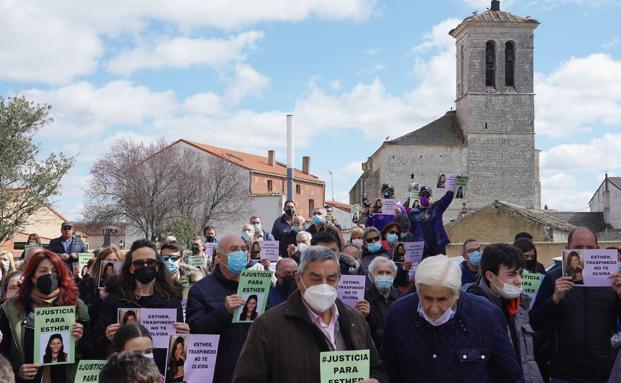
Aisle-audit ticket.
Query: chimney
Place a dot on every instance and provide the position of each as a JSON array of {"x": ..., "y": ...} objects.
[
  {"x": 495, "y": 5},
  {"x": 306, "y": 165},
  {"x": 270, "y": 157}
]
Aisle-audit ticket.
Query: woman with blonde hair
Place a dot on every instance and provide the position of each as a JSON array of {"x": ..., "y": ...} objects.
[{"x": 7, "y": 263}]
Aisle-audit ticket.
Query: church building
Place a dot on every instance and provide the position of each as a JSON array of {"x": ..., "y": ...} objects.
[{"x": 490, "y": 137}]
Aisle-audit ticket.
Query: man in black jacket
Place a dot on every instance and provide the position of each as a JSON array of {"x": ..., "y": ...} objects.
[
  {"x": 68, "y": 246},
  {"x": 582, "y": 320}
]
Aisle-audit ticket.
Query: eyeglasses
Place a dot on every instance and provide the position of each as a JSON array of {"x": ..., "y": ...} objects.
[
  {"x": 140, "y": 263},
  {"x": 172, "y": 258},
  {"x": 373, "y": 239},
  {"x": 317, "y": 213},
  {"x": 392, "y": 232}
]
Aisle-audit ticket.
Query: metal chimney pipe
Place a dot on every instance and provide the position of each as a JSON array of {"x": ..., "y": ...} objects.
[{"x": 290, "y": 151}]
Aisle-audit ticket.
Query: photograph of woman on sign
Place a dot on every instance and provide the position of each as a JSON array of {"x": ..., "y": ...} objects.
[
  {"x": 573, "y": 267},
  {"x": 399, "y": 253},
  {"x": 129, "y": 316},
  {"x": 460, "y": 192},
  {"x": 176, "y": 361},
  {"x": 249, "y": 312},
  {"x": 255, "y": 250},
  {"x": 377, "y": 206},
  {"x": 441, "y": 181},
  {"x": 55, "y": 350}
]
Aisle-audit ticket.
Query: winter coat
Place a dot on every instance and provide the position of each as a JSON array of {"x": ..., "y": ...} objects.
[
  {"x": 77, "y": 246},
  {"x": 582, "y": 324},
  {"x": 330, "y": 228},
  {"x": 521, "y": 332},
  {"x": 472, "y": 347},
  {"x": 280, "y": 227},
  {"x": 283, "y": 345},
  {"x": 378, "y": 221},
  {"x": 206, "y": 314},
  {"x": 430, "y": 228},
  {"x": 379, "y": 310}
]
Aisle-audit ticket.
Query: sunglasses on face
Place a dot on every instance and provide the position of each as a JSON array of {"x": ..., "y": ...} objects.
[
  {"x": 392, "y": 232},
  {"x": 172, "y": 258},
  {"x": 140, "y": 263},
  {"x": 373, "y": 239}
]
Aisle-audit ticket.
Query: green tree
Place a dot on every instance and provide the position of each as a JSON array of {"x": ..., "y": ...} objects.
[
  {"x": 183, "y": 229},
  {"x": 26, "y": 183}
]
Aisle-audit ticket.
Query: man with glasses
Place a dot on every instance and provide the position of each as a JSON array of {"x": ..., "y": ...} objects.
[
  {"x": 255, "y": 221},
  {"x": 471, "y": 251},
  {"x": 320, "y": 225},
  {"x": 67, "y": 246}
]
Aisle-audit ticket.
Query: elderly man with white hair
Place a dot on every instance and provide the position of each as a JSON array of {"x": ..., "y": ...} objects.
[
  {"x": 284, "y": 344},
  {"x": 442, "y": 335},
  {"x": 380, "y": 295},
  {"x": 288, "y": 240}
]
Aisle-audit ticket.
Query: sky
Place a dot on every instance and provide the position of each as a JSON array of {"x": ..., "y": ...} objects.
[{"x": 352, "y": 72}]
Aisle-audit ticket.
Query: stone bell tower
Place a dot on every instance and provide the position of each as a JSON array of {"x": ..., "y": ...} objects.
[{"x": 495, "y": 107}]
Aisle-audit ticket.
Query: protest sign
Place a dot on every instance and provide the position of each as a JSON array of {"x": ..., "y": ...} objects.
[
  {"x": 254, "y": 286},
  {"x": 351, "y": 289},
  {"x": 159, "y": 322},
  {"x": 88, "y": 371},
  {"x": 83, "y": 259},
  {"x": 27, "y": 249},
  {"x": 590, "y": 267},
  {"x": 197, "y": 261},
  {"x": 450, "y": 181},
  {"x": 108, "y": 269},
  {"x": 531, "y": 282},
  {"x": 461, "y": 184},
  {"x": 355, "y": 213},
  {"x": 53, "y": 343},
  {"x": 389, "y": 206},
  {"x": 344, "y": 366},
  {"x": 191, "y": 358},
  {"x": 270, "y": 250}
]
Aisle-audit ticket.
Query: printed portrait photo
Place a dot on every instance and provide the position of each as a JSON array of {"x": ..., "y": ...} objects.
[
  {"x": 573, "y": 264},
  {"x": 55, "y": 347},
  {"x": 177, "y": 356}
]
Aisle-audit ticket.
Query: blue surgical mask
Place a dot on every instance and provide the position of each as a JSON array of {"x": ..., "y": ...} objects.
[
  {"x": 296, "y": 228},
  {"x": 374, "y": 247},
  {"x": 237, "y": 261},
  {"x": 384, "y": 282},
  {"x": 246, "y": 235},
  {"x": 392, "y": 238},
  {"x": 172, "y": 266},
  {"x": 475, "y": 257},
  {"x": 317, "y": 220}
]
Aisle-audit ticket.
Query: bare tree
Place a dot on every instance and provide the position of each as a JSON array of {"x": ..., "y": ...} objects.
[{"x": 151, "y": 186}]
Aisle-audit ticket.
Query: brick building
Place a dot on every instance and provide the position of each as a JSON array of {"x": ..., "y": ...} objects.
[
  {"x": 267, "y": 183},
  {"x": 490, "y": 137}
]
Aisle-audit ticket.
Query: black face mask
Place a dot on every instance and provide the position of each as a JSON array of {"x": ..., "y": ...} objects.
[
  {"x": 288, "y": 283},
  {"x": 47, "y": 283},
  {"x": 530, "y": 264},
  {"x": 290, "y": 212},
  {"x": 145, "y": 274},
  {"x": 196, "y": 249},
  {"x": 210, "y": 239}
]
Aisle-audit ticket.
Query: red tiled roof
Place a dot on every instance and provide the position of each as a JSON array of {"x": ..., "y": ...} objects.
[{"x": 251, "y": 162}]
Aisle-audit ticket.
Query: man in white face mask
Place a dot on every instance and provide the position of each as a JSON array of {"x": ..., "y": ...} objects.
[
  {"x": 501, "y": 283},
  {"x": 313, "y": 317},
  {"x": 459, "y": 337}
]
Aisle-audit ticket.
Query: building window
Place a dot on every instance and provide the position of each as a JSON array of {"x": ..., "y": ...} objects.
[
  {"x": 490, "y": 64},
  {"x": 269, "y": 185},
  {"x": 510, "y": 64},
  {"x": 311, "y": 206},
  {"x": 298, "y": 189}
]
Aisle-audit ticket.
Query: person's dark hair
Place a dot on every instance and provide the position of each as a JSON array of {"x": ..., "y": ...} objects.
[
  {"x": 5, "y": 284},
  {"x": 178, "y": 341},
  {"x": 400, "y": 246},
  {"x": 390, "y": 225},
  {"x": 127, "y": 332},
  {"x": 253, "y": 315},
  {"x": 253, "y": 296},
  {"x": 323, "y": 237},
  {"x": 6, "y": 371},
  {"x": 164, "y": 285},
  {"x": 403, "y": 222},
  {"x": 35, "y": 237},
  {"x": 128, "y": 313},
  {"x": 466, "y": 242},
  {"x": 523, "y": 234},
  {"x": 68, "y": 295},
  {"x": 498, "y": 254},
  {"x": 526, "y": 245},
  {"x": 48, "y": 351},
  {"x": 208, "y": 227},
  {"x": 572, "y": 255},
  {"x": 288, "y": 201},
  {"x": 129, "y": 367},
  {"x": 571, "y": 234},
  {"x": 103, "y": 253},
  {"x": 174, "y": 246}
]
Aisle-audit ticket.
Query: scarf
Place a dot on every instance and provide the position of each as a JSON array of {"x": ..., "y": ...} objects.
[
  {"x": 41, "y": 300},
  {"x": 513, "y": 306}
]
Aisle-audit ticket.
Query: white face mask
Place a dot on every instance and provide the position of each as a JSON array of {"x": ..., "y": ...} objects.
[
  {"x": 257, "y": 227},
  {"x": 246, "y": 235},
  {"x": 508, "y": 290},
  {"x": 149, "y": 356},
  {"x": 302, "y": 246},
  {"x": 320, "y": 297},
  {"x": 6, "y": 263},
  {"x": 448, "y": 314}
]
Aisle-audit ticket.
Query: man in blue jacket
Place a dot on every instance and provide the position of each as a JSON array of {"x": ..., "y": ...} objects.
[
  {"x": 67, "y": 246},
  {"x": 442, "y": 335},
  {"x": 213, "y": 299}
]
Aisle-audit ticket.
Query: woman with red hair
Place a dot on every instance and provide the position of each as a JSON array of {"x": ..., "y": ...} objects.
[{"x": 46, "y": 283}]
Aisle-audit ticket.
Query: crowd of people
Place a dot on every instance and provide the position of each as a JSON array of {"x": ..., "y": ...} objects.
[{"x": 437, "y": 320}]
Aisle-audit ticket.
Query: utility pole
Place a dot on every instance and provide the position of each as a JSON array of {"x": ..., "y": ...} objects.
[{"x": 331, "y": 183}]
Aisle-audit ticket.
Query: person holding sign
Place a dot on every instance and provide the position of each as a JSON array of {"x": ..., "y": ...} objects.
[
  {"x": 212, "y": 301},
  {"x": 144, "y": 282},
  {"x": 580, "y": 320},
  {"x": 312, "y": 317},
  {"x": 176, "y": 360},
  {"x": 47, "y": 283},
  {"x": 458, "y": 337},
  {"x": 501, "y": 284},
  {"x": 378, "y": 219},
  {"x": 381, "y": 295},
  {"x": 319, "y": 225},
  {"x": 426, "y": 221}
]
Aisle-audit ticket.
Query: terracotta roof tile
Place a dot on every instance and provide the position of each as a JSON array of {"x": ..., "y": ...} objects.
[{"x": 252, "y": 162}]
